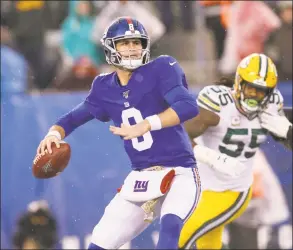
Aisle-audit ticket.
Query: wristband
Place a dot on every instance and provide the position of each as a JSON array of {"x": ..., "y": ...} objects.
[
  {"x": 155, "y": 122},
  {"x": 54, "y": 133}
]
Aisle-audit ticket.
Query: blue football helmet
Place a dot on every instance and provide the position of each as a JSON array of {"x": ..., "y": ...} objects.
[{"x": 125, "y": 28}]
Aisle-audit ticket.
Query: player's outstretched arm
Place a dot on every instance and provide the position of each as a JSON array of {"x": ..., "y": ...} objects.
[
  {"x": 199, "y": 124},
  {"x": 218, "y": 161},
  {"x": 64, "y": 126}
]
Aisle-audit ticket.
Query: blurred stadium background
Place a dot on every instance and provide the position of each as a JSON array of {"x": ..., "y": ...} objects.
[{"x": 50, "y": 53}]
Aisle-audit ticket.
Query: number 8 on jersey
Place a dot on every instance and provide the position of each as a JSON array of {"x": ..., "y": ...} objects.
[{"x": 134, "y": 113}]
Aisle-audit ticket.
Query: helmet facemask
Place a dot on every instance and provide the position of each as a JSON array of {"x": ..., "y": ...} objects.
[
  {"x": 251, "y": 105},
  {"x": 126, "y": 62}
]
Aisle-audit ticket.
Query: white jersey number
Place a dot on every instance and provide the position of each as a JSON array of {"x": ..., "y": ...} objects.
[{"x": 147, "y": 141}]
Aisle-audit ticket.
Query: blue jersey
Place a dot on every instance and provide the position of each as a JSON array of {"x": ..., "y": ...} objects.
[{"x": 148, "y": 92}]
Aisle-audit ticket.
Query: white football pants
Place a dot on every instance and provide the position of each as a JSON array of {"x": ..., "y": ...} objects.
[{"x": 123, "y": 220}]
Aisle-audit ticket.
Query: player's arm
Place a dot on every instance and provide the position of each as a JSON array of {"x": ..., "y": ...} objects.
[
  {"x": 199, "y": 124},
  {"x": 173, "y": 87},
  {"x": 64, "y": 126},
  {"x": 183, "y": 107},
  {"x": 84, "y": 112},
  {"x": 209, "y": 110}
]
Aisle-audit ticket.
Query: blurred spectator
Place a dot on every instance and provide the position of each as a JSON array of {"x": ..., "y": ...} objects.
[
  {"x": 14, "y": 71},
  {"x": 6, "y": 35},
  {"x": 216, "y": 20},
  {"x": 14, "y": 68},
  {"x": 78, "y": 77},
  {"x": 36, "y": 228},
  {"x": 115, "y": 9},
  {"x": 81, "y": 57},
  {"x": 83, "y": 68},
  {"x": 279, "y": 44},
  {"x": 6, "y": 38},
  {"x": 168, "y": 15},
  {"x": 249, "y": 25},
  {"x": 99, "y": 5},
  {"x": 59, "y": 10},
  {"x": 76, "y": 34},
  {"x": 27, "y": 22}
]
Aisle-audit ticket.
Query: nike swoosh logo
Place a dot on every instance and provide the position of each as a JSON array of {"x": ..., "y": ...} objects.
[{"x": 172, "y": 63}]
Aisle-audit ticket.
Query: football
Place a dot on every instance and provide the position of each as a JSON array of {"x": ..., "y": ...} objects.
[{"x": 50, "y": 165}]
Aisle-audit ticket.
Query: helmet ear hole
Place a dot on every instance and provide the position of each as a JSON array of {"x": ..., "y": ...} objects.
[
  {"x": 106, "y": 52},
  {"x": 144, "y": 43}
]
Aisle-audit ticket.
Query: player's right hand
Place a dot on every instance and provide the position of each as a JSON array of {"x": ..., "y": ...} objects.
[
  {"x": 46, "y": 144},
  {"x": 276, "y": 124}
]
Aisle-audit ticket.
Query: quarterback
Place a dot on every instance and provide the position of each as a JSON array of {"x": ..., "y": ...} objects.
[
  {"x": 231, "y": 125},
  {"x": 148, "y": 102}
]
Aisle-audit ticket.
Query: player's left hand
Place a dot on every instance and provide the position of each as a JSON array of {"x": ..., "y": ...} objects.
[
  {"x": 276, "y": 124},
  {"x": 130, "y": 132}
]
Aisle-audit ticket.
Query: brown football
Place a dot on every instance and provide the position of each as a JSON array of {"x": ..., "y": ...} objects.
[{"x": 50, "y": 165}]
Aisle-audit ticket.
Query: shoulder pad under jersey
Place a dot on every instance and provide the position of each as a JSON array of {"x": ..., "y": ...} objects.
[{"x": 213, "y": 97}]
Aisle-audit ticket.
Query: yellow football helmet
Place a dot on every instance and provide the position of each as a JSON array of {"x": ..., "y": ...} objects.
[{"x": 255, "y": 79}]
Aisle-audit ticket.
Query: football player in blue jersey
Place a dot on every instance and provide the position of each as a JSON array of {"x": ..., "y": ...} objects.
[{"x": 148, "y": 102}]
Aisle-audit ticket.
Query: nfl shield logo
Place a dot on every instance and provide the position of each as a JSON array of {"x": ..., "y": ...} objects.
[{"x": 125, "y": 94}]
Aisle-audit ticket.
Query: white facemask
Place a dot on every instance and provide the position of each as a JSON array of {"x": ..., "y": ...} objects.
[
  {"x": 249, "y": 106},
  {"x": 131, "y": 63}
]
